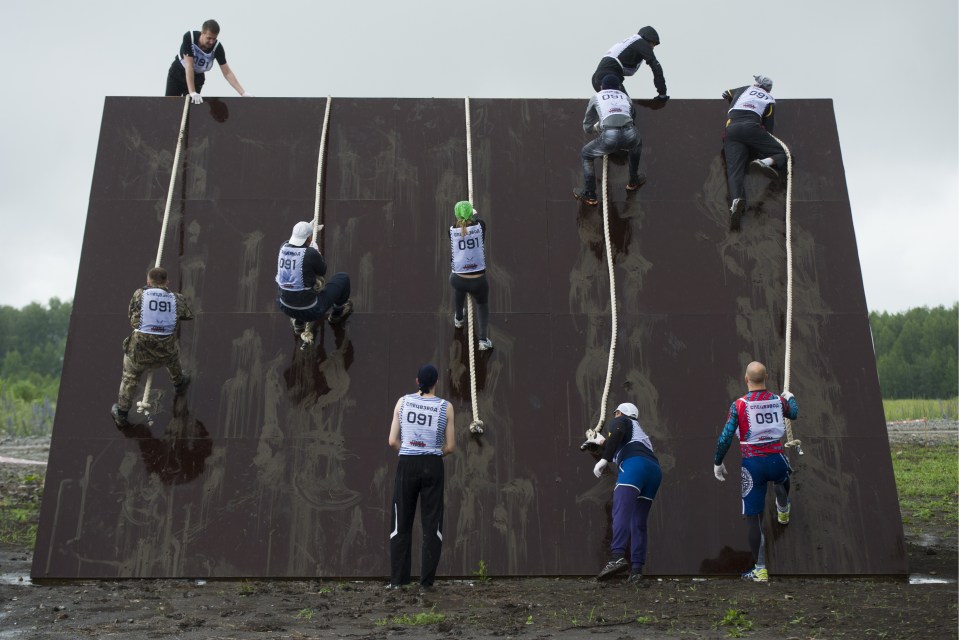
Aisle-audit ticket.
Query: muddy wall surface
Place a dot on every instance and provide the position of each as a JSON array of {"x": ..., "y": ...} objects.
[{"x": 275, "y": 463}]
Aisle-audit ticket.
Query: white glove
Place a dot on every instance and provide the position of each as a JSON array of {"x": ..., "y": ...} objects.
[
  {"x": 719, "y": 470},
  {"x": 785, "y": 395},
  {"x": 595, "y": 437},
  {"x": 598, "y": 469},
  {"x": 247, "y": 95},
  {"x": 196, "y": 98}
]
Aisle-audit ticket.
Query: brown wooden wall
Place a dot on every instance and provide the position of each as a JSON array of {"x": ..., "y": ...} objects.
[{"x": 276, "y": 464}]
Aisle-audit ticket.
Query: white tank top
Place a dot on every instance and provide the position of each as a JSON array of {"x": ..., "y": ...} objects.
[
  {"x": 753, "y": 99},
  {"x": 202, "y": 61},
  {"x": 157, "y": 312},
  {"x": 422, "y": 425},
  {"x": 612, "y": 102},
  {"x": 468, "y": 252},
  {"x": 289, "y": 268},
  {"x": 765, "y": 419},
  {"x": 618, "y": 48},
  {"x": 638, "y": 435}
]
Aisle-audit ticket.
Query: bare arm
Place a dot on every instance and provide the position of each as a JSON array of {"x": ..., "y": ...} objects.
[
  {"x": 231, "y": 78},
  {"x": 450, "y": 445},
  {"x": 395, "y": 441}
]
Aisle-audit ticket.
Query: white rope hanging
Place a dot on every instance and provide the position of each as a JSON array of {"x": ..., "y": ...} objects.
[
  {"x": 307, "y": 334},
  {"x": 790, "y": 440},
  {"x": 612, "y": 302},
  {"x": 143, "y": 406},
  {"x": 476, "y": 426}
]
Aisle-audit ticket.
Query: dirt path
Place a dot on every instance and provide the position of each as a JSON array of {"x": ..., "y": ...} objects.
[{"x": 571, "y": 609}]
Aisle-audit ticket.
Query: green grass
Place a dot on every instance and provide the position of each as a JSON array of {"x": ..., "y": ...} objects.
[
  {"x": 415, "y": 620},
  {"x": 920, "y": 409},
  {"x": 927, "y": 478},
  {"x": 736, "y": 623},
  {"x": 20, "y": 511}
]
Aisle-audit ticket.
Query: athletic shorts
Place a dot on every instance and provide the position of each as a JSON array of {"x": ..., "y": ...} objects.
[
  {"x": 642, "y": 473},
  {"x": 758, "y": 471}
]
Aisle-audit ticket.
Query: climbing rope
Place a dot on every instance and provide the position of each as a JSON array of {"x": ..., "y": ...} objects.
[
  {"x": 591, "y": 433},
  {"x": 790, "y": 440},
  {"x": 476, "y": 426},
  {"x": 307, "y": 335},
  {"x": 143, "y": 406}
]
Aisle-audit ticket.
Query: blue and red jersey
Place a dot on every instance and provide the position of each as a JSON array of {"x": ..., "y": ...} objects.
[{"x": 758, "y": 418}]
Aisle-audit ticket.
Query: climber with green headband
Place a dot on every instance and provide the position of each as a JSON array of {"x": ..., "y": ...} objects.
[{"x": 468, "y": 260}]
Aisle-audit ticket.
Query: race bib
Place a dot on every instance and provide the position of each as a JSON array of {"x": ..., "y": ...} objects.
[
  {"x": 766, "y": 422},
  {"x": 158, "y": 312}
]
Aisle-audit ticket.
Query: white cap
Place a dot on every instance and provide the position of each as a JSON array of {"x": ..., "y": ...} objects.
[
  {"x": 301, "y": 233},
  {"x": 629, "y": 410}
]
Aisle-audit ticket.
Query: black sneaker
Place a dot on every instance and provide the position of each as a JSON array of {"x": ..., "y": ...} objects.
[
  {"x": 636, "y": 183},
  {"x": 589, "y": 197},
  {"x": 180, "y": 389},
  {"x": 613, "y": 567},
  {"x": 341, "y": 312},
  {"x": 634, "y": 578},
  {"x": 119, "y": 416}
]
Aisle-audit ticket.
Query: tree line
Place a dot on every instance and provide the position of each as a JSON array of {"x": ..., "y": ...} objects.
[
  {"x": 916, "y": 355},
  {"x": 916, "y": 352}
]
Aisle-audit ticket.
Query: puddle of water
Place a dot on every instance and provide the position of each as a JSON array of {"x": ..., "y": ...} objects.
[
  {"x": 21, "y": 579},
  {"x": 921, "y": 579}
]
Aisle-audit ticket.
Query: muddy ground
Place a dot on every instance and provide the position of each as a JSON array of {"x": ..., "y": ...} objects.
[{"x": 925, "y": 607}]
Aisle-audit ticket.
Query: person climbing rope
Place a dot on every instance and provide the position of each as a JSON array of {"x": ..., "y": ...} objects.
[
  {"x": 303, "y": 295},
  {"x": 155, "y": 314},
  {"x": 609, "y": 113},
  {"x": 749, "y": 123},
  {"x": 468, "y": 276},
  {"x": 630, "y": 450},
  {"x": 624, "y": 59},
  {"x": 198, "y": 51},
  {"x": 759, "y": 419}
]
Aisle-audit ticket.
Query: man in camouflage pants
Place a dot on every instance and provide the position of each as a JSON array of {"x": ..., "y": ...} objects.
[{"x": 155, "y": 313}]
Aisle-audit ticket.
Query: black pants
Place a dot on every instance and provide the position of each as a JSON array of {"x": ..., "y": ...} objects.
[
  {"x": 417, "y": 477},
  {"x": 746, "y": 140},
  {"x": 479, "y": 289},
  {"x": 335, "y": 292},
  {"x": 176, "y": 80},
  {"x": 608, "y": 67}
]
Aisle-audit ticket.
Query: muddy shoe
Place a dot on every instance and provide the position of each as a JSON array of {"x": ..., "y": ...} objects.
[
  {"x": 588, "y": 197},
  {"x": 757, "y": 574},
  {"x": 636, "y": 183},
  {"x": 782, "y": 513},
  {"x": 180, "y": 389},
  {"x": 767, "y": 170},
  {"x": 634, "y": 578},
  {"x": 341, "y": 312},
  {"x": 119, "y": 416},
  {"x": 613, "y": 567}
]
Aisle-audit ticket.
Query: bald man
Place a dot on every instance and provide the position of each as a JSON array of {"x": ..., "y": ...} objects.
[{"x": 759, "y": 420}]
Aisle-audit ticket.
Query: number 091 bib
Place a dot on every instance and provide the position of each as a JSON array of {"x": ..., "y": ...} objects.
[
  {"x": 468, "y": 252},
  {"x": 157, "y": 312},
  {"x": 766, "y": 423}
]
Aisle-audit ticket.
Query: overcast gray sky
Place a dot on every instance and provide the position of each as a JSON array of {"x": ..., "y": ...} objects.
[{"x": 892, "y": 69}]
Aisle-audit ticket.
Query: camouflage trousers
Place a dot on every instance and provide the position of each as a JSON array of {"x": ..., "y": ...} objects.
[{"x": 145, "y": 352}]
